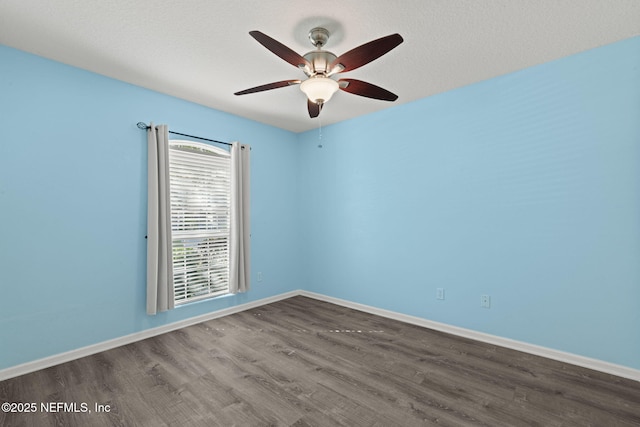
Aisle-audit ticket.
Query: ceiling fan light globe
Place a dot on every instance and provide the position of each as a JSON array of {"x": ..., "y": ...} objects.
[{"x": 319, "y": 89}]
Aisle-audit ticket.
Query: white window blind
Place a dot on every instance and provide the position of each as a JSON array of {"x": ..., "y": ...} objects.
[{"x": 200, "y": 187}]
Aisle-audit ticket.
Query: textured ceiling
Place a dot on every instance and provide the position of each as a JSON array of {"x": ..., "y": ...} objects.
[{"x": 200, "y": 50}]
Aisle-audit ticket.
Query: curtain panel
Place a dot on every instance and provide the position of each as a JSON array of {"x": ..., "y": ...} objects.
[
  {"x": 240, "y": 246},
  {"x": 159, "y": 255}
]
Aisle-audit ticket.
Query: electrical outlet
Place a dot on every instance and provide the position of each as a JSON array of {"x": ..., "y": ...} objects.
[
  {"x": 259, "y": 276},
  {"x": 485, "y": 301},
  {"x": 440, "y": 293}
]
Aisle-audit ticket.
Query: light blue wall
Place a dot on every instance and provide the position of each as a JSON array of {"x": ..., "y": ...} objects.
[
  {"x": 525, "y": 187},
  {"x": 73, "y": 205}
]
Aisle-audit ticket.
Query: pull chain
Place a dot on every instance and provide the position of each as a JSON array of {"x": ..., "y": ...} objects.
[{"x": 319, "y": 132}]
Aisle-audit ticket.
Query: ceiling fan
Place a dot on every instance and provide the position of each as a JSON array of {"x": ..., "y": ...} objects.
[{"x": 319, "y": 65}]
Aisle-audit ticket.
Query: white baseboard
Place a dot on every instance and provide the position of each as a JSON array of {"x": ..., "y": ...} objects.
[
  {"x": 585, "y": 362},
  {"x": 68, "y": 356}
]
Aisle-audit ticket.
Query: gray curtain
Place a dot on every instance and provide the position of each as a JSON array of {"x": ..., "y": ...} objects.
[
  {"x": 240, "y": 247},
  {"x": 159, "y": 258}
]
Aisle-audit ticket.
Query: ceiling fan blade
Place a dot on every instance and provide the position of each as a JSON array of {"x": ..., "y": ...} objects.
[
  {"x": 367, "y": 52},
  {"x": 314, "y": 109},
  {"x": 358, "y": 87},
  {"x": 279, "y": 49},
  {"x": 269, "y": 86}
]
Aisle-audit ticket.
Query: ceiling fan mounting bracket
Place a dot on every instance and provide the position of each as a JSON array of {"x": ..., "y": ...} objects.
[{"x": 318, "y": 36}]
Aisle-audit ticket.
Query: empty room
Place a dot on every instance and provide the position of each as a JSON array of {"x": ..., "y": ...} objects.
[{"x": 338, "y": 213}]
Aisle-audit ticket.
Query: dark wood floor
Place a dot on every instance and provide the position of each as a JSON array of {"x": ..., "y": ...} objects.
[{"x": 303, "y": 362}]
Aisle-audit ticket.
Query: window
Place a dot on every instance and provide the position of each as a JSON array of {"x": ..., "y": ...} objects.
[{"x": 200, "y": 194}]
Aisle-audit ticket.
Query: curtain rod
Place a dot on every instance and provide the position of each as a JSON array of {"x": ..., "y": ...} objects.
[{"x": 143, "y": 125}]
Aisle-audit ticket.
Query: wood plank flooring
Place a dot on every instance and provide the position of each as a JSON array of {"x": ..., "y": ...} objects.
[{"x": 303, "y": 362}]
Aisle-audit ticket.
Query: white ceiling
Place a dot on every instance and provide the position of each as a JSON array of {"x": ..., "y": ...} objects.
[{"x": 200, "y": 50}]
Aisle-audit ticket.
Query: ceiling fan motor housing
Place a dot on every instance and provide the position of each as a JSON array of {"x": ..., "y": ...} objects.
[{"x": 320, "y": 61}]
